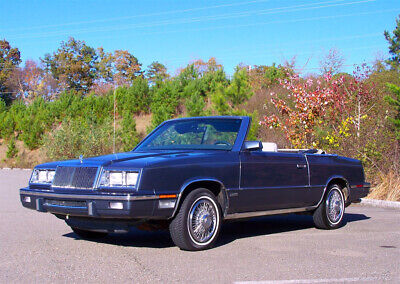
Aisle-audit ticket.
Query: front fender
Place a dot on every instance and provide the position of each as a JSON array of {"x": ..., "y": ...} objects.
[{"x": 213, "y": 184}]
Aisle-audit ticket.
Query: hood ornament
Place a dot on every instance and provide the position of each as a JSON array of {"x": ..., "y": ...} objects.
[{"x": 80, "y": 158}]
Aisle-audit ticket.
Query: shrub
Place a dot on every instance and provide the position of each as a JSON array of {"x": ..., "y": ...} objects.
[
  {"x": 11, "y": 120},
  {"x": 74, "y": 138},
  {"x": 273, "y": 74},
  {"x": 32, "y": 134},
  {"x": 12, "y": 150},
  {"x": 195, "y": 105},
  {"x": 134, "y": 99},
  {"x": 253, "y": 131},
  {"x": 35, "y": 119},
  {"x": 3, "y": 106},
  {"x": 128, "y": 137}
]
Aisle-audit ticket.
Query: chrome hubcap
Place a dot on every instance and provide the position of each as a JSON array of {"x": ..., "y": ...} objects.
[
  {"x": 334, "y": 206},
  {"x": 202, "y": 221}
]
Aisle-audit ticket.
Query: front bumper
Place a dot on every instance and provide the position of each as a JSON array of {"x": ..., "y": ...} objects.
[
  {"x": 359, "y": 191},
  {"x": 123, "y": 206}
]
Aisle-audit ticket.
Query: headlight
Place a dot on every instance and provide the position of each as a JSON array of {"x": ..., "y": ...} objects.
[
  {"x": 119, "y": 178},
  {"x": 42, "y": 176}
]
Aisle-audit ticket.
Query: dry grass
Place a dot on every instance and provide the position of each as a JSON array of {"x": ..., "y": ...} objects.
[
  {"x": 142, "y": 122},
  {"x": 387, "y": 188},
  {"x": 25, "y": 159}
]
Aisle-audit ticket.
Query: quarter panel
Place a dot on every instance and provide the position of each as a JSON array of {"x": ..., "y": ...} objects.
[{"x": 324, "y": 167}]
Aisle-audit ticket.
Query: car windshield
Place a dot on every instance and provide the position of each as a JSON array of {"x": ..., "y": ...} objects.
[{"x": 197, "y": 134}]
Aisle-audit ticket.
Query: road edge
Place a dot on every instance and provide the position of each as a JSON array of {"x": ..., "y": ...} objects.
[
  {"x": 380, "y": 203},
  {"x": 21, "y": 169}
]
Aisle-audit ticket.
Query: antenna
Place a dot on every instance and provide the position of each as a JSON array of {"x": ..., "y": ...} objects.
[{"x": 114, "y": 123}]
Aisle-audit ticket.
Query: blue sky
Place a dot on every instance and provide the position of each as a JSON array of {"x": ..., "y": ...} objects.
[{"x": 234, "y": 31}]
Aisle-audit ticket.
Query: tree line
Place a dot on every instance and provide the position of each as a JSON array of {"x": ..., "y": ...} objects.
[
  {"x": 64, "y": 104},
  {"x": 73, "y": 66}
]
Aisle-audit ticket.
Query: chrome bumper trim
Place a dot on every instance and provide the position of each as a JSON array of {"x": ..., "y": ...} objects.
[{"x": 127, "y": 197}]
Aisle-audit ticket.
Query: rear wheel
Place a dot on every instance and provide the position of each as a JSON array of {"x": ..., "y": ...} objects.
[
  {"x": 85, "y": 234},
  {"x": 329, "y": 214},
  {"x": 198, "y": 221}
]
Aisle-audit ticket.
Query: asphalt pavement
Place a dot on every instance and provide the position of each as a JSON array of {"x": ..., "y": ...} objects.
[{"x": 38, "y": 247}]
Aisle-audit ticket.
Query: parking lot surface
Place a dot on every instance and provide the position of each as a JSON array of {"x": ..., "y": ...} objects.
[{"x": 38, "y": 247}]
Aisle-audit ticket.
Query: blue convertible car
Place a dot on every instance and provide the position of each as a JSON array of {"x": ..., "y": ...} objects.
[{"x": 192, "y": 174}]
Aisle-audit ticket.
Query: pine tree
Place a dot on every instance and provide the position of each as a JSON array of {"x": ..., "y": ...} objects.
[
  {"x": 394, "y": 46},
  {"x": 12, "y": 150},
  {"x": 395, "y": 102}
]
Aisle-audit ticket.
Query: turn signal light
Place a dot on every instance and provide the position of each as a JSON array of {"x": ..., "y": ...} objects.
[{"x": 165, "y": 196}]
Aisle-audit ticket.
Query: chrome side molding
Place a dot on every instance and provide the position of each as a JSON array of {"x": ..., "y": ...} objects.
[{"x": 268, "y": 212}]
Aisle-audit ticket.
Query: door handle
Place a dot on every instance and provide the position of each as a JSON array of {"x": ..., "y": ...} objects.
[{"x": 301, "y": 166}]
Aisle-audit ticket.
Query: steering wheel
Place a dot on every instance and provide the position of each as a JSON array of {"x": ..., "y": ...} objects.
[{"x": 220, "y": 142}]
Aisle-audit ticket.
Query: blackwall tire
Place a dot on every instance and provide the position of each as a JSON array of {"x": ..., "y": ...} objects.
[
  {"x": 198, "y": 222},
  {"x": 329, "y": 214}
]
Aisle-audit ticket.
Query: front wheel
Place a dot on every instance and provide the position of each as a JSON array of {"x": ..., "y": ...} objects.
[
  {"x": 329, "y": 214},
  {"x": 198, "y": 221}
]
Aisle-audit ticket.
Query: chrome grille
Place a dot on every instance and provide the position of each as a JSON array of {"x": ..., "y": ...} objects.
[{"x": 75, "y": 177}]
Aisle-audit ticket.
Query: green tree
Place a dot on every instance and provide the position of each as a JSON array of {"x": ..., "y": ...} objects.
[
  {"x": 195, "y": 105},
  {"x": 135, "y": 98},
  {"x": 395, "y": 102},
  {"x": 156, "y": 72},
  {"x": 195, "y": 92},
  {"x": 239, "y": 89},
  {"x": 214, "y": 79},
  {"x": 105, "y": 65},
  {"x": 219, "y": 101},
  {"x": 73, "y": 65},
  {"x": 394, "y": 46},
  {"x": 187, "y": 74},
  {"x": 128, "y": 135},
  {"x": 165, "y": 101},
  {"x": 10, "y": 58},
  {"x": 127, "y": 67}
]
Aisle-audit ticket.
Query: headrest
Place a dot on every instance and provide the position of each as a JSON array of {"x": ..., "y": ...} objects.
[{"x": 269, "y": 147}]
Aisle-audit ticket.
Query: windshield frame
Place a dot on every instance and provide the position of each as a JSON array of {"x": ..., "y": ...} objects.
[{"x": 241, "y": 135}]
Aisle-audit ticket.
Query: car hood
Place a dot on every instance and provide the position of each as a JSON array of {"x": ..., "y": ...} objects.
[{"x": 128, "y": 159}]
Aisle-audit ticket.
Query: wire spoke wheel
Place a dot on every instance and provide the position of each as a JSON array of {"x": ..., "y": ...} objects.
[
  {"x": 198, "y": 222},
  {"x": 203, "y": 220},
  {"x": 334, "y": 206}
]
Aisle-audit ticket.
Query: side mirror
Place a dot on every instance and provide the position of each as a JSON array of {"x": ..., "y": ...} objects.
[{"x": 252, "y": 145}]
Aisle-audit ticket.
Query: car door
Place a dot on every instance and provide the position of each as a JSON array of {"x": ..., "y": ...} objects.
[{"x": 272, "y": 180}]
